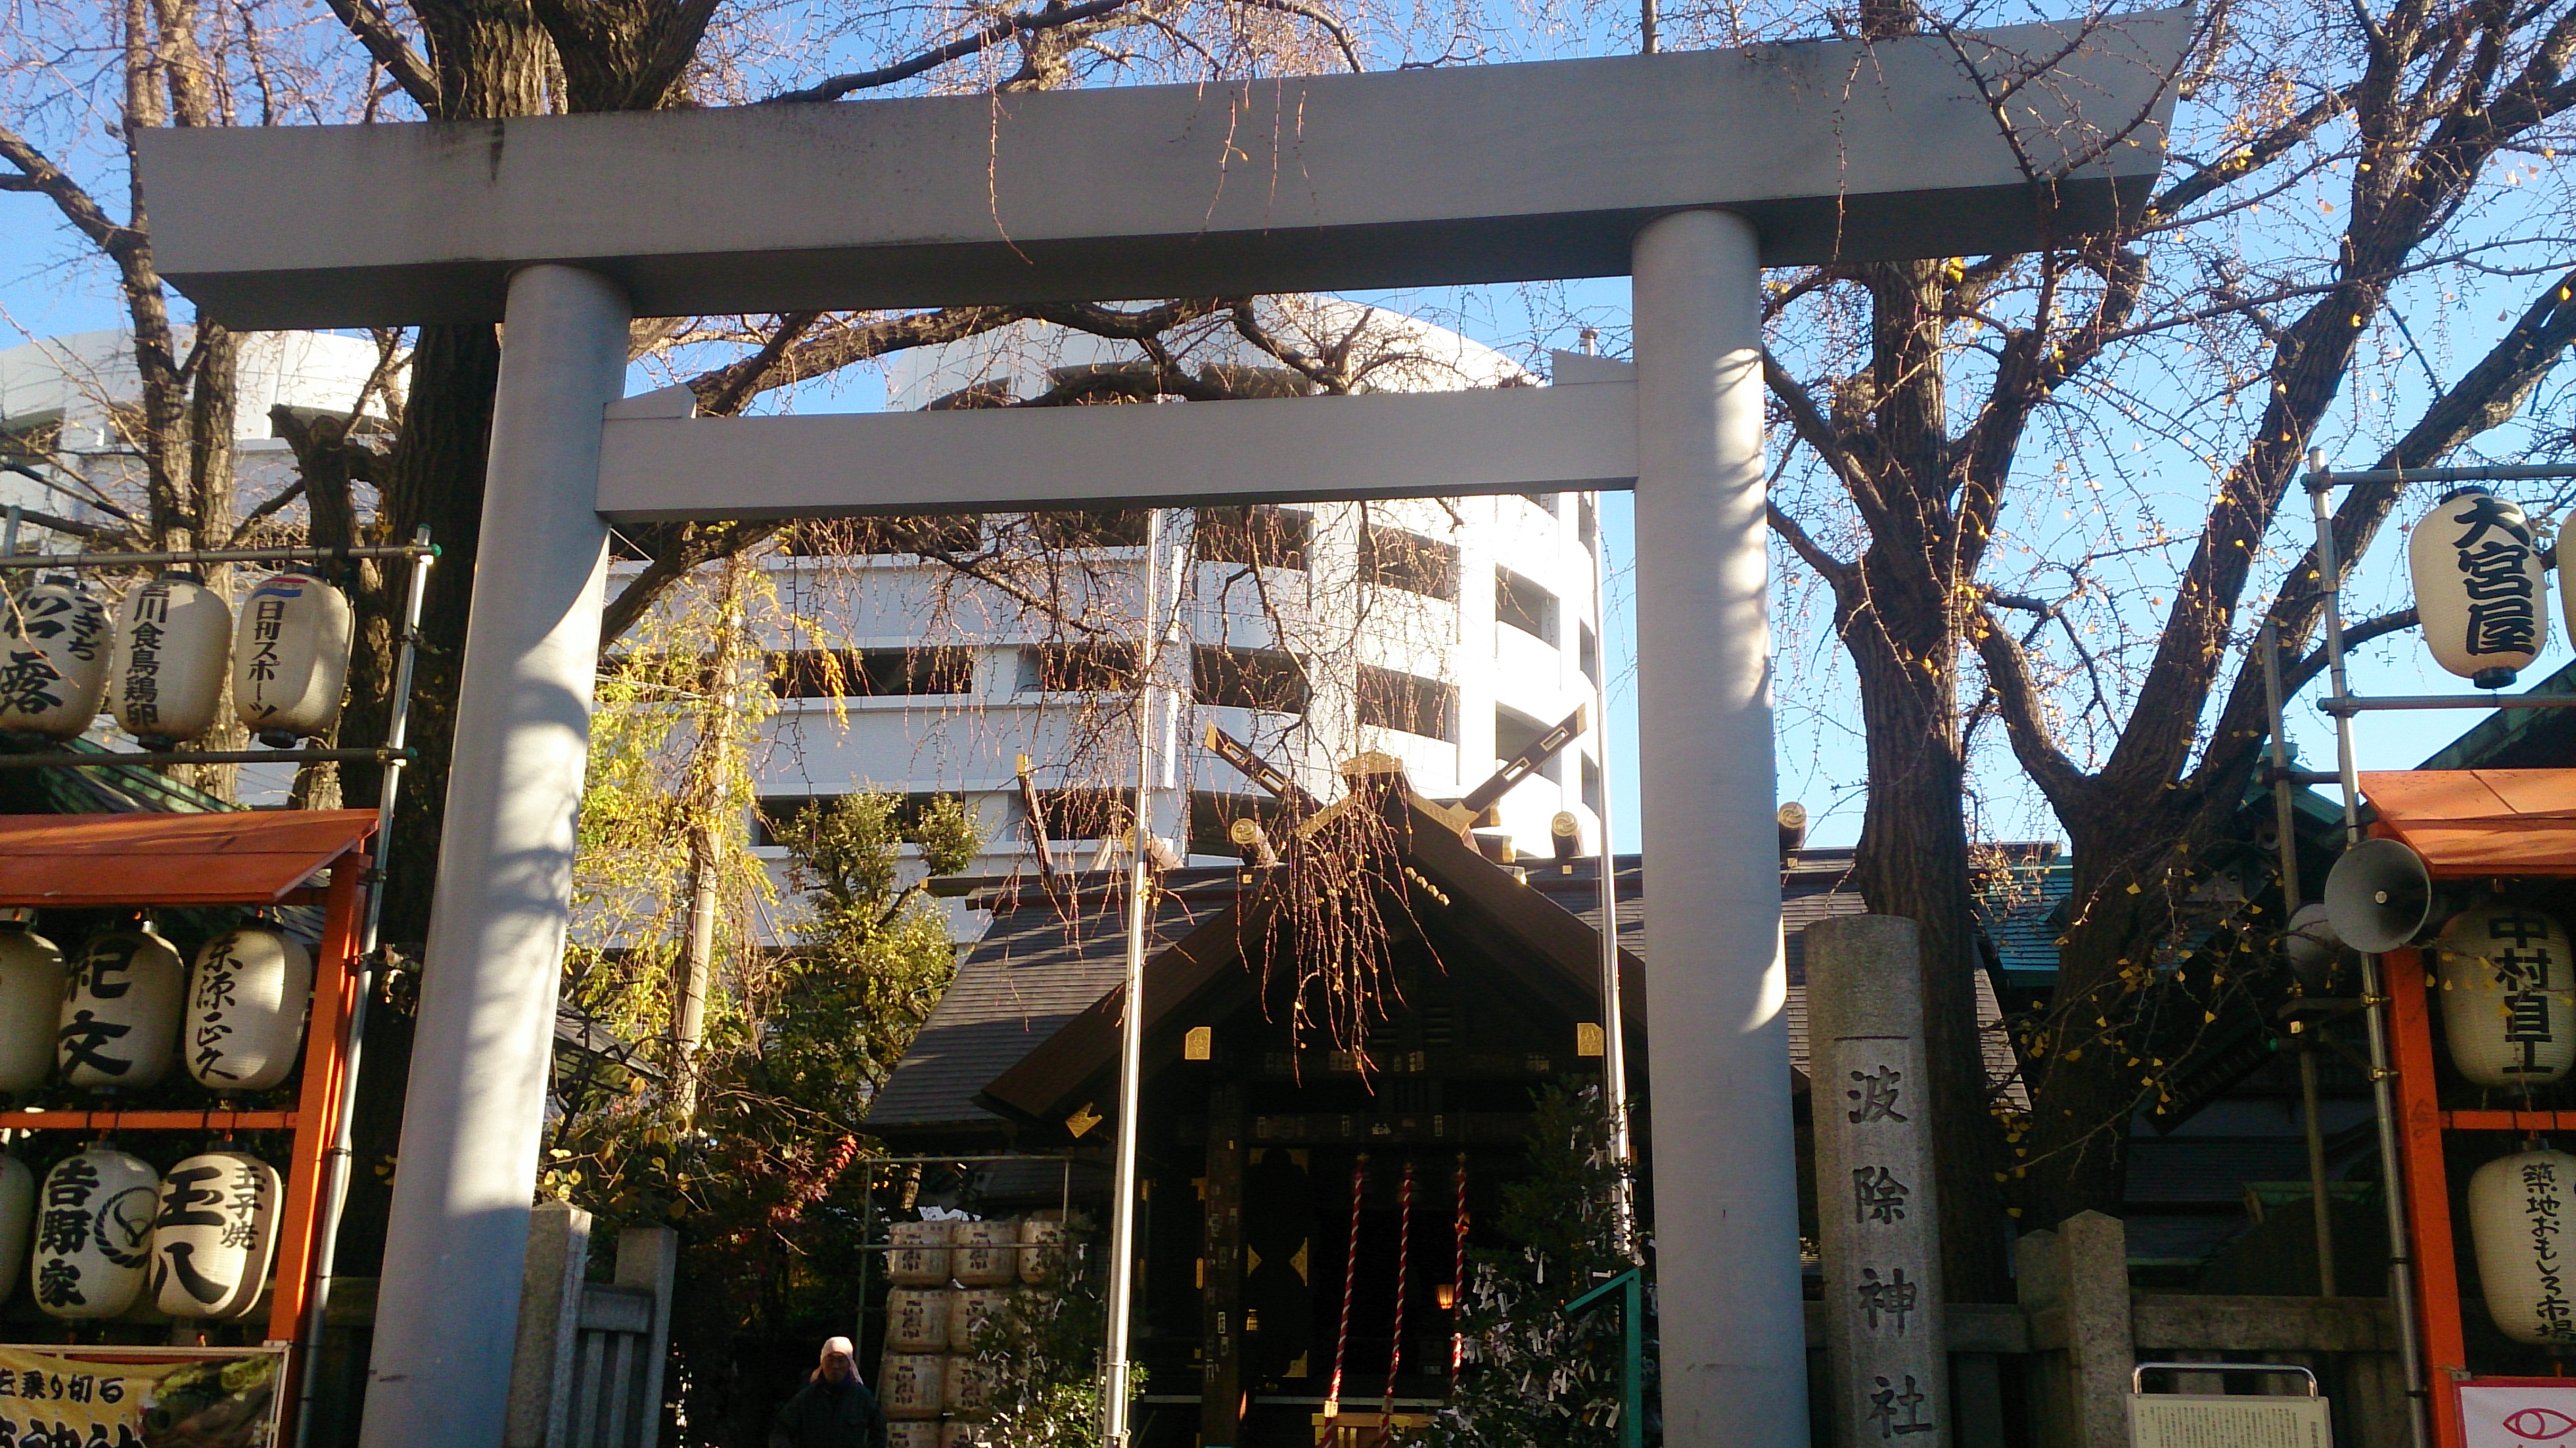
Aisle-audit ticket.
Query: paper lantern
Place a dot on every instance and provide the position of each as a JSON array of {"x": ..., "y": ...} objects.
[
  {"x": 983, "y": 1254},
  {"x": 94, "y": 1233},
  {"x": 917, "y": 1319},
  {"x": 17, "y": 1220},
  {"x": 166, "y": 674},
  {"x": 214, "y": 1235},
  {"x": 2506, "y": 975},
  {"x": 245, "y": 1016},
  {"x": 1046, "y": 1236},
  {"x": 119, "y": 1026},
  {"x": 909, "y": 1384},
  {"x": 2520, "y": 1210},
  {"x": 920, "y": 1254},
  {"x": 967, "y": 1391},
  {"x": 53, "y": 661},
  {"x": 2479, "y": 587},
  {"x": 31, "y": 1007},
  {"x": 291, "y": 658},
  {"x": 969, "y": 1308}
]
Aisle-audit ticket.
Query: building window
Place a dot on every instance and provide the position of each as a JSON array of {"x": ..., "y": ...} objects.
[
  {"x": 1224, "y": 678},
  {"x": 773, "y": 817},
  {"x": 1515, "y": 731},
  {"x": 1263, "y": 536},
  {"x": 1587, "y": 646},
  {"x": 871, "y": 673},
  {"x": 1394, "y": 558},
  {"x": 1085, "y": 814},
  {"x": 1415, "y": 705},
  {"x": 1525, "y": 606},
  {"x": 1092, "y": 527},
  {"x": 1212, "y": 814},
  {"x": 1592, "y": 795},
  {"x": 1084, "y": 668},
  {"x": 951, "y": 533}
]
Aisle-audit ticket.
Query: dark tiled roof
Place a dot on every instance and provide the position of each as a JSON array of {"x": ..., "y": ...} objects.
[{"x": 2017, "y": 905}]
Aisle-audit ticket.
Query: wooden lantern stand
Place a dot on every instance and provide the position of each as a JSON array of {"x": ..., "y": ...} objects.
[{"x": 240, "y": 858}]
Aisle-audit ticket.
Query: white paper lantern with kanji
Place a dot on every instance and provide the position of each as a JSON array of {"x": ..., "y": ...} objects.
[
  {"x": 53, "y": 661},
  {"x": 31, "y": 1008},
  {"x": 245, "y": 1017},
  {"x": 2480, "y": 591},
  {"x": 2507, "y": 974},
  {"x": 94, "y": 1233},
  {"x": 119, "y": 1027},
  {"x": 17, "y": 1220},
  {"x": 214, "y": 1235},
  {"x": 291, "y": 658},
  {"x": 2521, "y": 1209},
  {"x": 165, "y": 678}
]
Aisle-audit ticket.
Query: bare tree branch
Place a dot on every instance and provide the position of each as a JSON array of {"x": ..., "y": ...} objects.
[
  {"x": 386, "y": 45},
  {"x": 1055, "y": 16}
]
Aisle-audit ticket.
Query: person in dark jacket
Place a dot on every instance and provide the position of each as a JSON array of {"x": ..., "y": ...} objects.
[{"x": 834, "y": 1409}]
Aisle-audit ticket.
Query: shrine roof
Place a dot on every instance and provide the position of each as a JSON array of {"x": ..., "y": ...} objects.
[
  {"x": 237, "y": 857},
  {"x": 2473, "y": 822}
]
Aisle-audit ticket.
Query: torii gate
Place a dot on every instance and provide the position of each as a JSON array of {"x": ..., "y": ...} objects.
[{"x": 1689, "y": 171}]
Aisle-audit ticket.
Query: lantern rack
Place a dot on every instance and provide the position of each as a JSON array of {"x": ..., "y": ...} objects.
[{"x": 2423, "y": 1280}]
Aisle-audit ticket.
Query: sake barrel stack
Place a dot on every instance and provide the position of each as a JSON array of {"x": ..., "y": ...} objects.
[
  {"x": 909, "y": 1385},
  {"x": 959, "y": 1433},
  {"x": 920, "y": 1254},
  {"x": 967, "y": 1393},
  {"x": 969, "y": 1308},
  {"x": 984, "y": 1254},
  {"x": 914, "y": 1433},
  {"x": 1041, "y": 1248},
  {"x": 919, "y": 1319}
]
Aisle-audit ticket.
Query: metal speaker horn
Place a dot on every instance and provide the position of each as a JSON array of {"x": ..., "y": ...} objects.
[{"x": 2379, "y": 897}]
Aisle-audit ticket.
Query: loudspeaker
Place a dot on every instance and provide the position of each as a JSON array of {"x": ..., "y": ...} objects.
[
  {"x": 2311, "y": 944},
  {"x": 2379, "y": 897}
]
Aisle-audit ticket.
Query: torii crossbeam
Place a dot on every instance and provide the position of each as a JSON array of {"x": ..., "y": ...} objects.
[{"x": 1688, "y": 171}]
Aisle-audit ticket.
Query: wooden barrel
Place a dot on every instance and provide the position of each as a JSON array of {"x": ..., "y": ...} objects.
[
  {"x": 968, "y": 1389},
  {"x": 969, "y": 1308},
  {"x": 915, "y": 1433},
  {"x": 1047, "y": 1237},
  {"x": 918, "y": 1319},
  {"x": 911, "y": 1384},
  {"x": 920, "y": 1255},
  {"x": 959, "y": 1434},
  {"x": 984, "y": 1254}
]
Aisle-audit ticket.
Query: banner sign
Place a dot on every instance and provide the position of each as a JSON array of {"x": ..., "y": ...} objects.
[
  {"x": 2510, "y": 1414},
  {"x": 109, "y": 1397}
]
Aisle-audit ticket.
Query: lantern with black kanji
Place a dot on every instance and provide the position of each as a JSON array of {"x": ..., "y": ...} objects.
[
  {"x": 119, "y": 1023},
  {"x": 31, "y": 1003},
  {"x": 94, "y": 1233},
  {"x": 53, "y": 660},
  {"x": 17, "y": 1221},
  {"x": 165, "y": 677},
  {"x": 245, "y": 1016},
  {"x": 214, "y": 1235},
  {"x": 2479, "y": 588},
  {"x": 291, "y": 658},
  {"x": 2521, "y": 1209},
  {"x": 2506, "y": 974}
]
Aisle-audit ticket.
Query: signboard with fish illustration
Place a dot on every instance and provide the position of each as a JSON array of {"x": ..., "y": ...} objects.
[{"x": 141, "y": 1397}]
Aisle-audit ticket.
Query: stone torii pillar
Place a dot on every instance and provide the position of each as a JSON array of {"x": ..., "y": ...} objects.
[{"x": 1690, "y": 171}]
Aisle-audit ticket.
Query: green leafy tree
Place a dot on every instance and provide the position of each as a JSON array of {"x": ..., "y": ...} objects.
[{"x": 1535, "y": 1377}]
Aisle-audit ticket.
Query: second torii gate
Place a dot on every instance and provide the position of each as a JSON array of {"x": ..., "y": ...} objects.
[{"x": 1689, "y": 172}]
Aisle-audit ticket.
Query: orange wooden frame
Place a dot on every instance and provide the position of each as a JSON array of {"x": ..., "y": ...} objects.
[{"x": 301, "y": 844}]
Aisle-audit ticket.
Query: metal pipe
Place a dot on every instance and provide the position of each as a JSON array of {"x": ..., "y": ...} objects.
[
  {"x": 1726, "y": 1207},
  {"x": 217, "y": 555},
  {"x": 387, "y": 755},
  {"x": 2348, "y": 706},
  {"x": 2320, "y": 478},
  {"x": 2401, "y": 1259},
  {"x": 1614, "y": 1035},
  {"x": 2285, "y": 818},
  {"x": 343, "y": 1152},
  {"x": 1131, "y": 1031},
  {"x": 456, "y": 1239}
]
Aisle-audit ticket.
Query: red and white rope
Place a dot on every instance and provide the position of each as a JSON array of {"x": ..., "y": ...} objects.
[
  {"x": 1458, "y": 1276},
  {"x": 1403, "y": 1275},
  {"x": 1350, "y": 1284}
]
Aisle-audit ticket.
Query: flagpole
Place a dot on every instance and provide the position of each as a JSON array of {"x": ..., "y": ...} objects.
[{"x": 1131, "y": 1035}]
